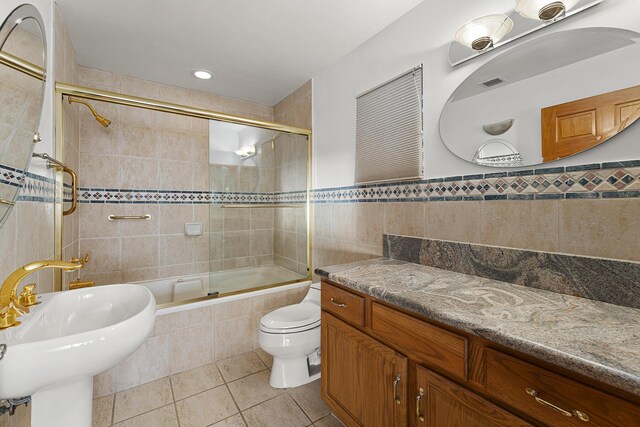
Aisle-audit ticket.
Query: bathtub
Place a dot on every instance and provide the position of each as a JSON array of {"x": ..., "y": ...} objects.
[{"x": 228, "y": 284}]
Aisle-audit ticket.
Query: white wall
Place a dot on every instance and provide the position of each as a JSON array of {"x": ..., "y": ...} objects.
[
  {"x": 423, "y": 36},
  {"x": 47, "y": 145}
]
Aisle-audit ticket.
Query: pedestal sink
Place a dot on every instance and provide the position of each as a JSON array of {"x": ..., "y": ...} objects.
[{"x": 66, "y": 340}]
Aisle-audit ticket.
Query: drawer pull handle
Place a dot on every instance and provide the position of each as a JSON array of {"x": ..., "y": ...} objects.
[
  {"x": 338, "y": 304},
  {"x": 579, "y": 414},
  {"x": 419, "y": 413},
  {"x": 396, "y": 397}
]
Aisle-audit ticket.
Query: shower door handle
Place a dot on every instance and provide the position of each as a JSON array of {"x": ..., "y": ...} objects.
[{"x": 74, "y": 190}]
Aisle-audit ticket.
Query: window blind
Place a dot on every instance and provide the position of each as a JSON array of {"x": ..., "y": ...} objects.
[{"x": 389, "y": 130}]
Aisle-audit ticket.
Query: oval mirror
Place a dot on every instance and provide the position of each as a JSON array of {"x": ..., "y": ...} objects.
[
  {"x": 547, "y": 99},
  {"x": 22, "y": 81}
]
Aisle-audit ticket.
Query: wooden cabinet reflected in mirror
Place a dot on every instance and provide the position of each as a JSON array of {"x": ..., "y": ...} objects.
[
  {"x": 576, "y": 126},
  {"x": 583, "y": 82}
]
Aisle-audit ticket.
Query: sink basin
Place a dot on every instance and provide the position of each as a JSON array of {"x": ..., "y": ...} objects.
[{"x": 66, "y": 340}]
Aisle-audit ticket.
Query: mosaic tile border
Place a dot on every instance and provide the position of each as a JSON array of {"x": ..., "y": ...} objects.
[
  {"x": 102, "y": 195},
  {"x": 33, "y": 187},
  {"x": 591, "y": 181}
]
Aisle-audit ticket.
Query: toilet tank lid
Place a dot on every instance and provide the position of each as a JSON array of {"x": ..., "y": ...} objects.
[
  {"x": 315, "y": 285},
  {"x": 292, "y": 316}
]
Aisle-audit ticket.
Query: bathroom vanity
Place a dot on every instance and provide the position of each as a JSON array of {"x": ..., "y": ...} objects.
[{"x": 406, "y": 344}]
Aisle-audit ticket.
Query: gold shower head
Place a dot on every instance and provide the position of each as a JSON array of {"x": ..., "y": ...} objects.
[{"x": 102, "y": 120}]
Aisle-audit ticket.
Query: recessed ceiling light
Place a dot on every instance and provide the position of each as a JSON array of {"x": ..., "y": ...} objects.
[{"x": 202, "y": 74}]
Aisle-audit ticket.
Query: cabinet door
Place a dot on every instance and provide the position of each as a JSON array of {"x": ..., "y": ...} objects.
[
  {"x": 575, "y": 126},
  {"x": 365, "y": 379},
  {"x": 442, "y": 403}
]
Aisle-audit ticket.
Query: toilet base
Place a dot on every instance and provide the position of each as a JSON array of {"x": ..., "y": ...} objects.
[{"x": 288, "y": 373}]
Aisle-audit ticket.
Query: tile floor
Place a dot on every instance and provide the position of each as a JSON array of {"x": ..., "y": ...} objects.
[{"x": 234, "y": 392}]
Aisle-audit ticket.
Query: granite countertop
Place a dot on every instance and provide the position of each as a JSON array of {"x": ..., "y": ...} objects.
[{"x": 593, "y": 338}]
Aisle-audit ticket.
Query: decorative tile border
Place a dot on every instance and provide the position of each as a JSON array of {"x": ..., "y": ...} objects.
[
  {"x": 592, "y": 181},
  {"x": 613, "y": 281},
  {"x": 33, "y": 187},
  {"x": 102, "y": 195}
]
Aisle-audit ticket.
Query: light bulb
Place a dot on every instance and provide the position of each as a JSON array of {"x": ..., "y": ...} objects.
[{"x": 482, "y": 33}]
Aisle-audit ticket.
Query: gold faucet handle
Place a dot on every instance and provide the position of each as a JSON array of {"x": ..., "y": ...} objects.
[
  {"x": 8, "y": 316},
  {"x": 28, "y": 296},
  {"x": 81, "y": 261}
]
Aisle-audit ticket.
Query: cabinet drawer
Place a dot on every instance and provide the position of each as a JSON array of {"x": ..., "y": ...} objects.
[
  {"x": 421, "y": 341},
  {"x": 344, "y": 304},
  {"x": 554, "y": 399}
]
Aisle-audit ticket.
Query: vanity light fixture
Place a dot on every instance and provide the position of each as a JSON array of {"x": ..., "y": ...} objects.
[
  {"x": 544, "y": 10},
  {"x": 202, "y": 74},
  {"x": 482, "y": 33}
]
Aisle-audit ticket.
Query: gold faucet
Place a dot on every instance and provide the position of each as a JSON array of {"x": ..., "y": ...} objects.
[{"x": 11, "y": 306}]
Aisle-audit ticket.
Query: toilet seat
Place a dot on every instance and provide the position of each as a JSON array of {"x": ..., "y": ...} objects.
[{"x": 292, "y": 318}]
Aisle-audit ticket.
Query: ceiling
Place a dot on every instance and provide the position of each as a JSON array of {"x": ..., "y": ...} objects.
[{"x": 258, "y": 50}]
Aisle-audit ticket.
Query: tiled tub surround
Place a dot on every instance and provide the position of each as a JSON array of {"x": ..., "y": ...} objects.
[
  {"x": 290, "y": 178},
  {"x": 197, "y": 334},
  {"x": 139, "y": 154},
  {"x": 606, "y": 280},
  {"x": 592, "y": 338}
]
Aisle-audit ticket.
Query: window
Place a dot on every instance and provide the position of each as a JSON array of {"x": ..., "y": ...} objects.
[{"x": 389, "y": 130}]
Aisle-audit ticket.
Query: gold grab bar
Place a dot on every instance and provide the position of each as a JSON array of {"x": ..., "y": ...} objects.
[
  {"x": 53, "y": 163},
  {"x": 146, "y": 217},
  {"x": 74, "y": 191},
  {"x": 260, "y": 206},
  {"x": 6, "y": 202}
]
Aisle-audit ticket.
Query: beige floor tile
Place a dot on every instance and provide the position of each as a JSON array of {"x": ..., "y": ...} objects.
[
  {"x": 266, "y": 358},
  {"x": 206, "y": 408},
  {"x": 141, "y": 399},
  {"x": 308, "y": 398},
  {"x": 280, "y": 411},
  {"x": 329, "y": 421},
  {"x": 103, "y": 411},
  {"x": 235, "y": 421},
  {"x": 195, "y": 381},
  {"x": 240, "y": 366},
  {"x": 161, "y": 417},
  {"x": 254, "y": 389}
]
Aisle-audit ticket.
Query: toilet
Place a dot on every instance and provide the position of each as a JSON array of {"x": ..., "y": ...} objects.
[{"x": 291, "y": 335}]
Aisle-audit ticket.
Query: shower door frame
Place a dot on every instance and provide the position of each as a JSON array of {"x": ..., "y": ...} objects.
[{"x": 64, "y": 89}]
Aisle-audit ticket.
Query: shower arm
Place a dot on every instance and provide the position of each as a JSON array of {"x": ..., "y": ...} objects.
[{"x": 102, "y": 120}]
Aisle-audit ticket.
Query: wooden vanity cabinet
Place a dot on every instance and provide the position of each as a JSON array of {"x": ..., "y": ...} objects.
[
  {"x": 366, "y": 380},
  {"x": 388, "y": 368},
  {"x": 440, "y": 402}
]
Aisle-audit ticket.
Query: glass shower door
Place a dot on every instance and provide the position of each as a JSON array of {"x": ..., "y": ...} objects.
[{"x": 258, "y": 215}]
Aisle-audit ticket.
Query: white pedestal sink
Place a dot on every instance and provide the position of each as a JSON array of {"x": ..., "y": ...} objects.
[{"x": 66, "y": 340}]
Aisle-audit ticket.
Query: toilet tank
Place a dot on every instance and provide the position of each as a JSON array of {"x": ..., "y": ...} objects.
[{"x": 313, "y": 296}]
